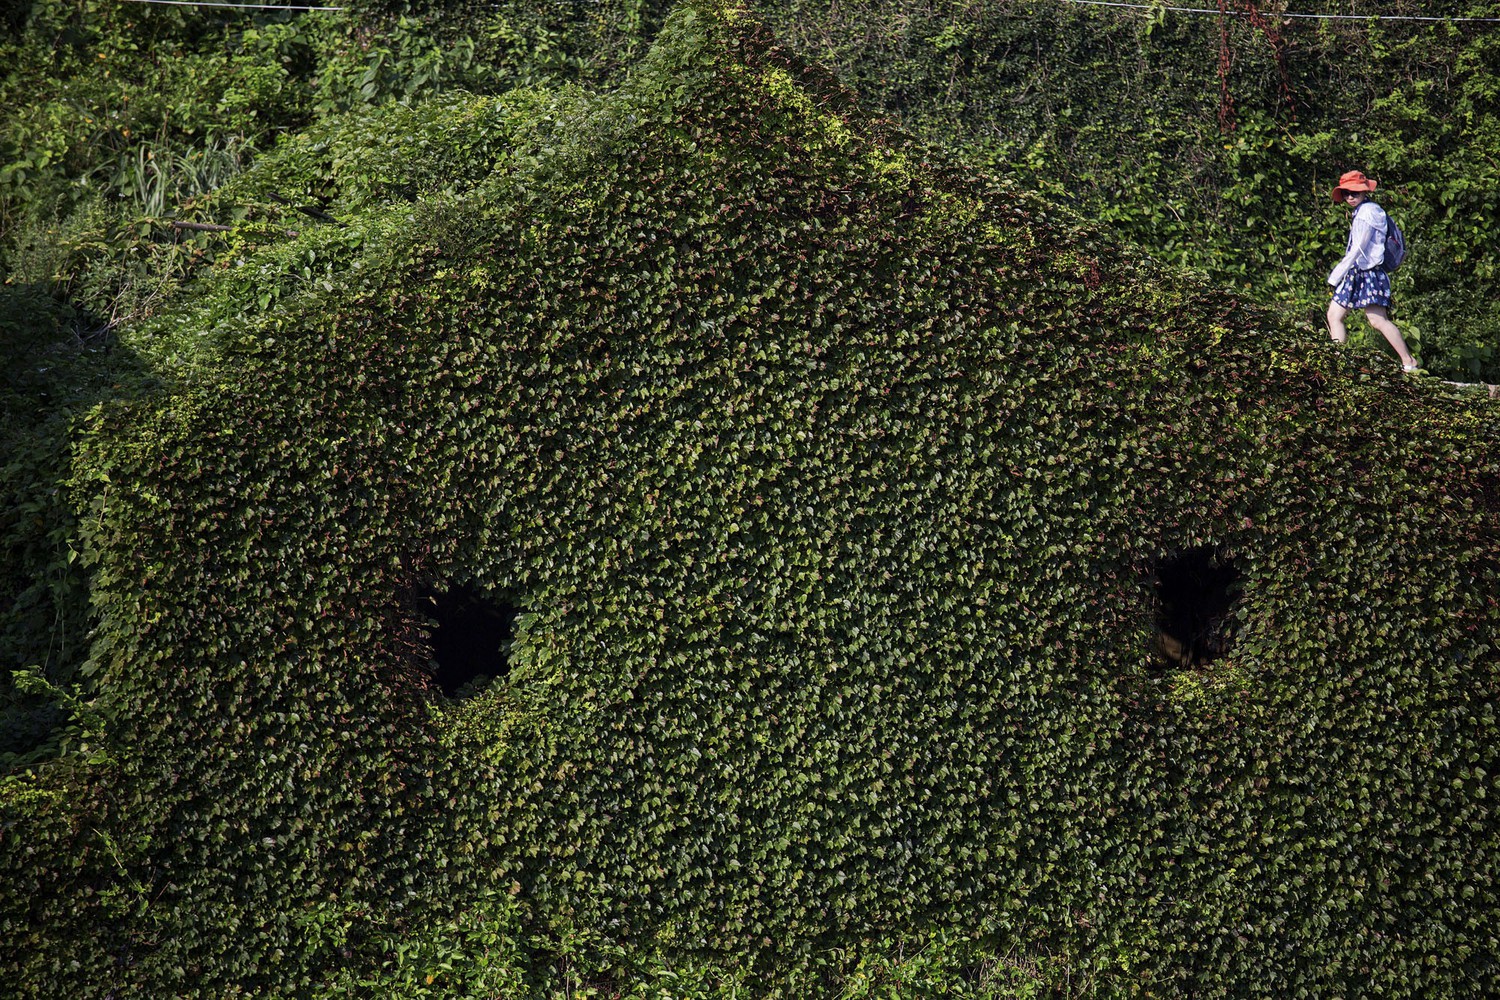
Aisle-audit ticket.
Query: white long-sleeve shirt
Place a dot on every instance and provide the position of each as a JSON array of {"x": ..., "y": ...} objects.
[{"x": 1366, "y": 242}]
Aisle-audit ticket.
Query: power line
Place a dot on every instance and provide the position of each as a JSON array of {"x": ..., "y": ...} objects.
[
  {"x": 1086, "y": 3},
  {"x": 1279, "y": 14},
  {"x": 237, "y": 6}
]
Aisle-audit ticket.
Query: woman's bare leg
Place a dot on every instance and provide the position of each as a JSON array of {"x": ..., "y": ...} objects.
[
  {"x": 1336, "y": 330},
  {"x": 1380, "y": 321}
]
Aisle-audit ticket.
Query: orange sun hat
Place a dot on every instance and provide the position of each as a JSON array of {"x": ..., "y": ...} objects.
[{"x": 1353, "y": 180}]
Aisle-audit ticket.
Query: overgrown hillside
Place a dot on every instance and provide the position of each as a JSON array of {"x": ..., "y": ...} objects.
[
  {"x": 692, "y": 538},
  {"x": 1211, "y": 141}
]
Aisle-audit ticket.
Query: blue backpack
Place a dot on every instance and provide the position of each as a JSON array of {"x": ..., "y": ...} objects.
[{"x": 1395, "y": 245}]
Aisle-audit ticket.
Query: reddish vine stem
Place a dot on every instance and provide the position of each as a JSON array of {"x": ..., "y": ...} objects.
[{"x": 1272, "y": 34}]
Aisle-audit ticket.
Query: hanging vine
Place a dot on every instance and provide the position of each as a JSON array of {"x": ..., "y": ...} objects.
[{"x": 1249, "y": 10}]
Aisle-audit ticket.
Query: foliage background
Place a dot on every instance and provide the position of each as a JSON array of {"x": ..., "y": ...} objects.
[
  {"x": 1123, "y": 116},
  {"x": 831, "y": 467},
  {"x": 1212, "y": 142}
]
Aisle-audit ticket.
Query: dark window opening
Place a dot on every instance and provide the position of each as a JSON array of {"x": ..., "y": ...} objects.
[
  {"x": 1196, "y": 592},
  {"x": 471, "y": 633}
]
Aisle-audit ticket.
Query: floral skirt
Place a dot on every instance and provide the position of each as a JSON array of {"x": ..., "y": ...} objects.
[{"x": 1364, "y": 288}]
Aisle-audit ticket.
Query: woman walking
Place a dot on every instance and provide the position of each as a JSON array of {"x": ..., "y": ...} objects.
[{"x": 1359, "y": 281}]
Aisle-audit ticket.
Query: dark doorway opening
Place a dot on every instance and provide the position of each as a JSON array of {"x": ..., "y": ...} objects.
[
  {"x": 471, "y": 633},
  {"x": 1196, "y": 592}
]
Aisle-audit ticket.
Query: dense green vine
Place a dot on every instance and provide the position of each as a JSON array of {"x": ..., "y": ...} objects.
[{"x": 832, "y": 479}]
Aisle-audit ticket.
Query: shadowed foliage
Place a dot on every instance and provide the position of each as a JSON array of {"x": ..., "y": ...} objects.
[{"x": 845, "y": 494}]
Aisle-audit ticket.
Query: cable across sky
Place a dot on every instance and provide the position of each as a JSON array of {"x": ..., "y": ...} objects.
[
  {"x": 236, "y": 6},
  {"x": 1279, "y": 14},
  {"x": 1085, "y": 3}
]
